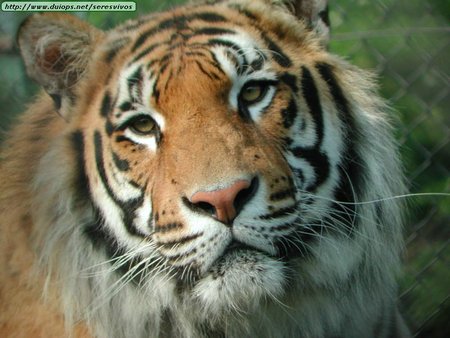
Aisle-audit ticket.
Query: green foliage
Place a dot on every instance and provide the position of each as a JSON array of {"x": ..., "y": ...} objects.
[{"x": 426, "y": 279}]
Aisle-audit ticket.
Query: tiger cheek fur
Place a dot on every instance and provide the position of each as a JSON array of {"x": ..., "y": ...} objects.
[{"x": 206, "y": 176}]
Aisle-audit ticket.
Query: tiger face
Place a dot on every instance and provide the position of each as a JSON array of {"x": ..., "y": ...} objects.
[
  {"x": 206, "y": 174},
  {"x": 221, "y": 173},
  {"x": 215, "y": 153}
]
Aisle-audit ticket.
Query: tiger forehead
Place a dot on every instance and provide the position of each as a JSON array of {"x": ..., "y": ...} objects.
[
  {"x": 180, "y": 36},
  {"x": 182, "y": 20},
  {"x": 199, "y": 27},
  {"x": 163, "y": 28}
]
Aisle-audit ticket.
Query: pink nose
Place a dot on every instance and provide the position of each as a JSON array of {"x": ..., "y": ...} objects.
[{"x": 222, "y": 201}]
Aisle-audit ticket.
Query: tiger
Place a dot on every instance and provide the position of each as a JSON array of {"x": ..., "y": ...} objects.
[{"x": 211, "y": 170}]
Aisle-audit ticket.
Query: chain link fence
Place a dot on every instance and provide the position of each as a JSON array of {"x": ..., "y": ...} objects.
[{"x": 407, "y": 42}]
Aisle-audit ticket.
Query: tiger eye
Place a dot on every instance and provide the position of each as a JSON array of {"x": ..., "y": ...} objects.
[
  {"x": 143, "y": 125},
  {"x": 252, "y": 93}
]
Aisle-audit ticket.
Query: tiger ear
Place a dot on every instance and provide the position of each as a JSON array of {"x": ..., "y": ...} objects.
[
  {"x": 56, "y": 49},
  {"x": 315, "y": 14}
]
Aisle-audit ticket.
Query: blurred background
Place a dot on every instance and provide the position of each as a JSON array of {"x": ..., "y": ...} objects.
[{"x": 406, "y": 42}]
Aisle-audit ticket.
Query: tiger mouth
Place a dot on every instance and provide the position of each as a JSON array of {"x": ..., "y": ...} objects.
[
  {"x": 233, "y": 253},
  {"x": 236, "y": 250}
]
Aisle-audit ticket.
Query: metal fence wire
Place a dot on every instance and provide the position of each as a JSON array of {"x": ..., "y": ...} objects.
[{"x": 407, "y": 42}]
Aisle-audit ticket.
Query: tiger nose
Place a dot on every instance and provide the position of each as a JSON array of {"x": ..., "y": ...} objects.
[{"x": 225, "y": 204}]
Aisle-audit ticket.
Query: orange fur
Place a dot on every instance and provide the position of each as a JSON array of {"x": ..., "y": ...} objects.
[{"x": 23, "y": 311}]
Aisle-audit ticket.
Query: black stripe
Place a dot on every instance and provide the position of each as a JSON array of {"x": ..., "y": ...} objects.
[
  {"x": 241, "y": 68},
  {"x": 166, "y": 58},
  {"x": 208, "y": 17},
  {"x": 290, "y": 80},
  {"x": 115, "y": 48},
  {"x": 102, "y": 239},
  {"x": 56, "y": 100},
  {"x": 281, "y": 195},
  {"x": 129, "y": 207},
  {"x": 318, "y": 160},
  {"x": 294, "y": 245},
  {"x": 213, "y": 31},
  {"x": 155, "y": 92},
  {"x": 216, "y": 63},
  {"x": 106, "y": 105},
  {"x": 311, "y": 95},
  {"x": 169, "y": 78},
  {"x": 126, "y": 106},
  {"x": 174, "y": 259},
  {"x": 134, "y": 25},
  {"x": 211, "y": 75},
  {"x": 289, "y": 114},
  {"x": 277, "y": 53},
  {"x": 247, "y": 13},
  {"x": 279, "y": 213},
  {"x": 258, "y": 64},
  {"x": 167, "y": 227},
  {"x": 176, "y": 22},
  {"x": 179, "y": 242},
  {"x": 225, "y": 43},
  {"x": 326, "y": 72},
  {"x": 174, "y": 45},
  {"x": 325, "y": 17},
  {"x": 145, "y": 52},
  {"x": 351, "y": 168},
  {"x": 123, "y": 138},
  {"x": 98, "y": 144},
  {"x": 343, "y": 108},
  {"x": 198, "y": 54},
  {"x": 121, "y": 164},
  {"x": 80, "y": 182},
  {"x": 300, "y": 175},
  {"x": 135, "y": 85},
  {"x": 151, "y": 63},
  {"x": 142, "y": 38},
  {"x": 282, "y": 227},
  {"x": 179, "y": 22},
  {"x": 109, "y": 128}
]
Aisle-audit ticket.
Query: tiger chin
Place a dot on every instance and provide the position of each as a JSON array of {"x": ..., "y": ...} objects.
[{"x": 209, "y": 171}]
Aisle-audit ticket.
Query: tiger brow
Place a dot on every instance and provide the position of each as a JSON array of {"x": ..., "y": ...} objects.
[{"x": 177, "y": 22}]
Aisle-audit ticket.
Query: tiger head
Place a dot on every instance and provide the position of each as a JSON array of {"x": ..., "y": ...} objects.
[{"x": 217, "y": 152}]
